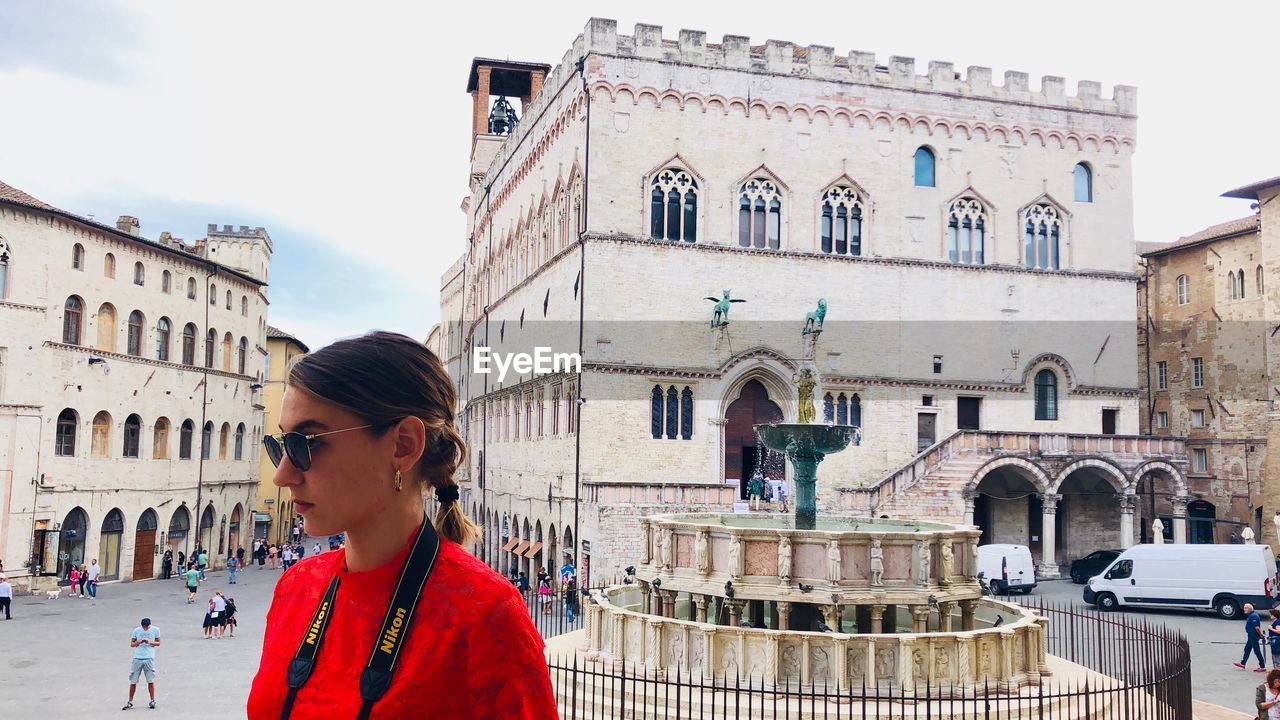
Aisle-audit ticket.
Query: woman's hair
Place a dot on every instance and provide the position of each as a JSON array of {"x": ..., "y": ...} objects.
[
  {"x": 382, "y": 378},
  {"x": 1272, "y": 676},
  {"x": 1275, "y": 613}
]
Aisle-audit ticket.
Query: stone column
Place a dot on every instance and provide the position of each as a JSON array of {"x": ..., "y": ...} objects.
[
  {"x": 964, "y": 653},
  {"x": 784, "y": 615},
  {"x": 944, "y": 616},
  {"x": 735, "y": 612},
  {"x": 480, "y": 101},
  {"x": 645, "y": 607},
  {"x": 877, "y": 619},
  {"x": 1180, "y": 518},
  {"x": 971, "y": 559},
  {"x": 669, "y": 604},
  {"x": 919, "y": 618},
  {"x": 831, "y": 616},
  {"x": 967, "y": 609},
  {"x": 969, "y": 497},
  {"x": 700, "y": 608},
  {"x": 1048, "y": 536},
  {"x": 1128, "y": 503}
]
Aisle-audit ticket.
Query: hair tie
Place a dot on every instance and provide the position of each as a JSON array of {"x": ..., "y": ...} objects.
[{"x": 448, "y": 494}]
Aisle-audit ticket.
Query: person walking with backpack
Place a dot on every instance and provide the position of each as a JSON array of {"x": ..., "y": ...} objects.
[
  {"x": 570, "y": 598},
  {"x": 1254, "y": 636}
]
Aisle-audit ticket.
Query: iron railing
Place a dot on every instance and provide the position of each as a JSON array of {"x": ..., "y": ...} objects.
[{"x": 1139, "y": 670}]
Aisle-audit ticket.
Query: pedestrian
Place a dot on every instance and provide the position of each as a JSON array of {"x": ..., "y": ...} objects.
[
  {"x": 782, "y": 495},
  {"x": 1267, "y": 697},
  {"x": 204, "y": 561},
  {"x": 193, "y": 584},
  {"x": 271, "y": 555},
  {"x": 94, "y": 571},
  {"x": 219, "y": 615},
  {"x": 261, "y": 555},
  {"x": 286, "y": 556},
  {"x": 232, "y": 566},
  {"x": 544, "y": 595},
  {"x": 6, "y": 597},
  {"x": 240, "y": 557},
  {"x": 231, "y": 616},
  {"x": 369, "y": 425},
  {"x": 522, "y": 583},
  {"x": 166, "y": 564},
  {"x": 74, "y": 577},
  {"x": 84, "y": 579},
  {"x": 1274, "y": 637},
  {"x": 182, "y": 562},
  {"x": 570, "y": 598},
  {"x": 1254, "y": 635},
  {"x": 300, "y": 551},
  {"x": 145, "y": 640},
  {"x": 317, "y": 549},
  {"x": 208, "y": 620}
]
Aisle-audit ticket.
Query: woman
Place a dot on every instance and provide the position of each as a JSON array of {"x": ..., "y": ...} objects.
[
  {"x": 84, "y": 579},
  {"x": 369, "y": 422},
  {"x": 208, "y": 620},
  {"x": 74, "y": 577},
  {"x": 1273, "y": 638},
  {"x": 167, "y": 564},
  {"x": 231, "y": 616},
  {"x": 1267, "y": 697}
]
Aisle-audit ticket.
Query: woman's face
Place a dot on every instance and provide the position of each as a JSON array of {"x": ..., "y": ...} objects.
[{"x": 350, "y": 481}]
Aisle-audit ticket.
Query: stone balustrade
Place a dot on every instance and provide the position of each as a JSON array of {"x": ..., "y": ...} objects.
[
  {"x": 1000, "y": 657},
  {"x": 845, "y": 561}
]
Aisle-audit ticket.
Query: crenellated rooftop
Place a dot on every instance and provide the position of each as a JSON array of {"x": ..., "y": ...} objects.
[{"x": 780, "y": 57}]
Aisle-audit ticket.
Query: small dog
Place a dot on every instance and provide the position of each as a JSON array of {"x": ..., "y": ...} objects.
[{"x": 53, "y": 594}]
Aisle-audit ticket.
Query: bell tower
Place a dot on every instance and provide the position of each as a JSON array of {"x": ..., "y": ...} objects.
[{"x": 493, "y": 85}]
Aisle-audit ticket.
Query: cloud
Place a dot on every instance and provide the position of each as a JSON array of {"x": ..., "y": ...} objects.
[{"x": 90, "y": 40}]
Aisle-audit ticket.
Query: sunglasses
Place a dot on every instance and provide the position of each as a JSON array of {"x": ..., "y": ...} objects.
[{"x": 297, "y": 446}]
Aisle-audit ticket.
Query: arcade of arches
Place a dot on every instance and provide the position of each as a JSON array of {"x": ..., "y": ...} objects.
[{"x": 1089, "y": 505}]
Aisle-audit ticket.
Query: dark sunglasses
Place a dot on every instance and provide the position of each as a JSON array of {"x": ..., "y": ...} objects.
[{"x": 297, "y": 446}]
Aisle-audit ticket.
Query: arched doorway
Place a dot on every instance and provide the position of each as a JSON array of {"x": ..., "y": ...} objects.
[
  {"x": 1154, "y": 492},
  {"x": 1088, "y": 512},
  {"x": 109, "y": 545},
  {"x": 71, "y": 541},
  {"x": 1201, "y": 518},
  {"x": 176, "y": 539},
  {"x": 205, "y": 536},
  {"x": 524, "y": 561},
  {"x": 742, "y": 453},
  {"x": 1007, "y": 507},
  {"x": 233, "y": 541},
  {"x": 144, "y": 546},
  {"x": 554, "y": 561}
]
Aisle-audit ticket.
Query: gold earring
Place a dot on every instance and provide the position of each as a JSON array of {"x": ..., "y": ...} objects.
[{"x": 398, "y": 481}]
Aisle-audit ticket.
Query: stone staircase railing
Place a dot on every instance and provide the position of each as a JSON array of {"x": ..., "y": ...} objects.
[{"x": 993, "y": 443}]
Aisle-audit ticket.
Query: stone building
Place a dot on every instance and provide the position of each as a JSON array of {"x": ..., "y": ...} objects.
[
  {"x": 129, "y": 403},
  {"x": 273, "y": 515},
  {"x": 1206, "y": 340},
  {"x": 972, "y": 241}
]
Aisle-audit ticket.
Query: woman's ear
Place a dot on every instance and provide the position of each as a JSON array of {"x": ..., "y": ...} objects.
[{"x": 410, "y": 442}]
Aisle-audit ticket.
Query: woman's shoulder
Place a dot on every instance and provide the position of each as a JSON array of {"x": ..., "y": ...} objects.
[
  {"x": 461, "y": 571},
  {"x": 310, "y": 572}
]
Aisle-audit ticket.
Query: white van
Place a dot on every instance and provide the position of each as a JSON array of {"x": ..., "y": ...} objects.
[
  {"x": 1005, "y": 568},
  {"x": 1217, "y": 577}
]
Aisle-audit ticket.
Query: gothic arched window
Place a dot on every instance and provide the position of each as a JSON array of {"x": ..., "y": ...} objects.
[
  {"x": 163, "y": 330},
  {"x": 210, "y": 341},
  {"x": 244, "y": 354},
  {"x": 855, "y": 410},
  {"x": 107, "y": 328},
  {"x": 134, "y": 342},
  {"x": 72, "y": 314},
  {"x": 139, "y": 274},
  {"x": 686, "y": 413},
  {"x": 673, "y": 418},
  {"x": 77, "y": 257},
  {"x": 1083, "y": 178},
  {"x": 160, "y": 440},
  {"x": 656, "y": 413},
  {"x": 924, "y": 167},
  {"x": 966, "y": 231},
  {"x": 828, "y": 408},
  {"x": 842, "y": 410},
  {"x": 101, "y": 438},
  {"x": 1042, "y": 249},
  {"x": 842, "y": 221},
  {"x": 64, "y": 444},
  {"x": 184, "y": 439},
  {"x": 760, "y": 214},
  {"x": 1184, "y": 289},
  {"x": 132, "y": 436},
  {"x": 189, "y": 344},
  {"x": 191, "y": 288},
  {"x": 166, "y": 282},
  {"x": 1046, "y": 395},
  {"x": 673, "y": 206}
]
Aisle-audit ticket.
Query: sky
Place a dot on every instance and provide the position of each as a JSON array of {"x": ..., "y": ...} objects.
[{"x": 344, "y": 128}]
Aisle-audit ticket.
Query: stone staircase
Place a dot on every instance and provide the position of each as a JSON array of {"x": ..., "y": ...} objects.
[{"x": 932, "y": 485}]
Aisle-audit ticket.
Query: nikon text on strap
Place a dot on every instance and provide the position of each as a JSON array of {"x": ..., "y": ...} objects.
[{"x": 375, "y": 680}]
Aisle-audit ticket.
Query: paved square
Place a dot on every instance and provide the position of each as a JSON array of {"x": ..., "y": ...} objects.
[{"x": 70, "y": 657}]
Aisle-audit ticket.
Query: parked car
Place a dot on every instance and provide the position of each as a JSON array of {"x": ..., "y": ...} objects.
[
  {"x": 1092, "y": 564},
  {"x": 1005, "y": 568},
  {"x": 1218, "y": 577}
]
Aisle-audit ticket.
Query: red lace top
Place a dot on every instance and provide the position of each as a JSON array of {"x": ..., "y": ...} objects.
[{"x": 471, "y": 652}]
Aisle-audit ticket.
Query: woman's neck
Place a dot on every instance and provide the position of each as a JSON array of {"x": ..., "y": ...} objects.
[{"x": 376, "y": 543}]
